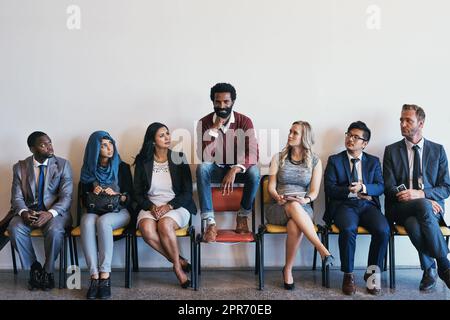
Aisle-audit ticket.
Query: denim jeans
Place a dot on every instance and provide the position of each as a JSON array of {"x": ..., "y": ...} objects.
[
  {"x": 208, "y": 173},
  {"x": 97, "y": 238}
]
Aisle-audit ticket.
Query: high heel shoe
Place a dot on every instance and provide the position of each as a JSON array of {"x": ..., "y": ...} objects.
[
  {"x": 186, "y": 284},
  {"x": 187, "y": 267},
  {"x": 287, "y": 286},
  {"x": 328, "y": 260}
]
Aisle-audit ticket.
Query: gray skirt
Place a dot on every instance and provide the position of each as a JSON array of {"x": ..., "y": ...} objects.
[{"x": 276, "y": 214}]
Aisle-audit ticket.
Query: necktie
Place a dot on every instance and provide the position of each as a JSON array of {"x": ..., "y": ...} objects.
[
  {"x": 416, "y": 168},
  {"x": 41, "y": 182},
  {"x": 354, "y": 171}
]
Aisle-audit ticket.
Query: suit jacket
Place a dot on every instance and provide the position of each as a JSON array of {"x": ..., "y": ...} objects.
[
  {"x": 181, "y": 183},
  {"x": 436, "y": 179},
  {"x": 58, "y": 186},
  {"x": 338, "y": 178}
]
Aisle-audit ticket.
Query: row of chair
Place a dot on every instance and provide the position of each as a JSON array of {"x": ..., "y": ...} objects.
[{"x": 221, "y": 203}]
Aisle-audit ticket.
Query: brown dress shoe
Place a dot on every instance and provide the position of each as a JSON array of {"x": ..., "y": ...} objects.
[
  {"x": 210, "y": 233},
  {"x": 241, "y": 225},
  {"x": 348, "y": 284}
]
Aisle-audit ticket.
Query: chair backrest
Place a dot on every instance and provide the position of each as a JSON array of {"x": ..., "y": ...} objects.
[{"x": 229, "y": 203}]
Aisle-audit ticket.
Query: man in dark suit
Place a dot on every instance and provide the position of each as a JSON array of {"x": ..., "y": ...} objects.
[
  {"x": 353, "y": 182},
  {"x": 420, "y": 167},
  {"x": 45, "y": 204}
]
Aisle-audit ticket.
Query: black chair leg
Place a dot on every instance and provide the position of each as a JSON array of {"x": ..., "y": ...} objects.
[
  {"x": 314, "y": 259},
  {"x": 192, "y": 244},
  {"x": 127, "y": 261},
  {"x": 61, "y": 264},
  {"x": 13, "y": 255},
  {"x": 385, "y": 262},
  {"x": 66, "y": 245},
  {"x": 261, "y": 262},
  {"x": 257, "y": 255},
  {"x": 327, "y": 268},
  {"x": 75, "y": 250},
  {"x": 447, "y": 238},
  {"x": 135, "y": 255},
  {"x": 72, "y": 256},
  {"x": 392, "y": 262}
]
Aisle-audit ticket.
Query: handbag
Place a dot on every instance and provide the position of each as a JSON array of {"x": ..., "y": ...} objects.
[{"x": 102, "y": 203}]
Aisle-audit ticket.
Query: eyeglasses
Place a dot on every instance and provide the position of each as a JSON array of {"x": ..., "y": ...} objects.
[{"x": 348, "y": 135}]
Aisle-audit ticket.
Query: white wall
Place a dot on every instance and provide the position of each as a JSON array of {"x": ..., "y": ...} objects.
[{"x": 135, "y": 62}]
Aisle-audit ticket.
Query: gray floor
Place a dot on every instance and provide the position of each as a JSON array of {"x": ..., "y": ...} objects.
[{"x": 231, "y": 284}]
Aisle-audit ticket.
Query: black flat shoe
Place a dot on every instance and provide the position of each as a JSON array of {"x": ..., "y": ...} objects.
[
  {"x": 104, "y": 289},
  {"x": 93, "y": 289},
  {"x": 328, "y": 260},
  {"x": 287, "y": 286}
]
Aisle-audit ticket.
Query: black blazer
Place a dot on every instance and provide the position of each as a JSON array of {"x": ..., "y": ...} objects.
[
  {"x": 125, "y": 185},
  {"x": 181, "y": 183}
]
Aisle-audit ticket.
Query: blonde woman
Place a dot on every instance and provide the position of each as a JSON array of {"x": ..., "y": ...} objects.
[{"x": 294, "y": 182}]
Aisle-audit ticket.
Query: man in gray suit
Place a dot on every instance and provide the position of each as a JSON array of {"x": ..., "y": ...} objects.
[
  {"x": 45, "y": 204},
  {"x": 417, "y": 182}
]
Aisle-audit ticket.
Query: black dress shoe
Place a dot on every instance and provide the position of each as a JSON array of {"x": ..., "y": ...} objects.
[
  {"x": 48, "y": 281},
  {"x": 93, "y": 289},
  {"x": 428, "y": 281},
  {"x": 35, "y": 276},
  {"x": 104, "y": 289},
  {"x": 287, "y": 286},
  {"x": 445, "y": 276}
]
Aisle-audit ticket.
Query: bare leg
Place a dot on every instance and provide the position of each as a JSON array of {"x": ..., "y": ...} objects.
[
  {"x": 149, "y": 230},
  {"x": 293, "y": 239},
  {"x": 166, "y": 230},
  {"x": 296, "y": 212}
]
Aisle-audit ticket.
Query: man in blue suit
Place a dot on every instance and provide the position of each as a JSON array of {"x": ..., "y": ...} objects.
[
  {"x": 353, "y": 182},
  {"x": 420, "y": 168}
]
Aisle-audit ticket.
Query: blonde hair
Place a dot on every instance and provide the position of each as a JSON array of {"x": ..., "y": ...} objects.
[{"x": 307, "y": 140}]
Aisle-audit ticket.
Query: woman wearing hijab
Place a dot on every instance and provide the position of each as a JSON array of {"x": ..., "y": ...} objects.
[
  {"x": 103, "y": 172},
  {"x": 163, "y": 192}
]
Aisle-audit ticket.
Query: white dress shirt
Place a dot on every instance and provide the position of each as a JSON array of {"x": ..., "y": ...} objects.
[
  {"x": 409, "y": 148},
  {"x": 359, "y": 170}
]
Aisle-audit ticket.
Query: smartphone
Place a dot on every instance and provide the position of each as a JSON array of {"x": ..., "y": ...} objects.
[{"x": 401, "y": 187}]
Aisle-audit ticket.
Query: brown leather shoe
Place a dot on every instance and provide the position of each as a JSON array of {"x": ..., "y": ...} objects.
[
  {"x": 210, "y": 233},
  {"x": 348, "y": 284},
  {"x": 241, "y": 225}
]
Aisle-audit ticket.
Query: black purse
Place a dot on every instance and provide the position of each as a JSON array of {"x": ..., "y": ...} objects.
[{"x": 102, "y": 203}]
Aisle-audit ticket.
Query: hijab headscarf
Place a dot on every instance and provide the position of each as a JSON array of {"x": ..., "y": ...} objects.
[{"x": 91, "y": 170}]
